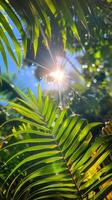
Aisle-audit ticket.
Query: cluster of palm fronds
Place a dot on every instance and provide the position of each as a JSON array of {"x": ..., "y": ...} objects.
[
  {"x": 52, "y": 155},
  {"x": 34, "y": 19}
]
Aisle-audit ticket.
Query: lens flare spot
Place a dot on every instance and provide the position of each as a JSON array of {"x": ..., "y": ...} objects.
[{"x": 57, "y": 75}]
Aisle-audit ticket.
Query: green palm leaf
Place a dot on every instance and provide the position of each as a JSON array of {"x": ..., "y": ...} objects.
[
  {"x": 7, "y": 34},
  {"x": 34, "y": 19},
  {"x": 56, "y": 155}
]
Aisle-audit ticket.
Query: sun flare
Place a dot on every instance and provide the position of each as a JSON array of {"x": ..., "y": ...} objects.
[{"x": 58, "y": 75}]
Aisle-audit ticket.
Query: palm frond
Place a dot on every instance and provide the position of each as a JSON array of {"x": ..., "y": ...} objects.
[
  {"x": 42, "y": 20},
  {"x": 72, "y": 17},
  {"x": 55, "y": 156},
  {"x": 8, "y": 39}
]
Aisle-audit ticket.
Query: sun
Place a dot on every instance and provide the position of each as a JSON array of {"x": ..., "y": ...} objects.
[{"x": 58, "y": 76}]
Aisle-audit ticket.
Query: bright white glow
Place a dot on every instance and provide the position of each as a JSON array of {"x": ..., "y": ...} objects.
[{"x": 57, "y": 75}]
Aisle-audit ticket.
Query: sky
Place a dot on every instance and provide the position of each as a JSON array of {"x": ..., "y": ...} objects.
[{"x": 25, "y": 77}]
